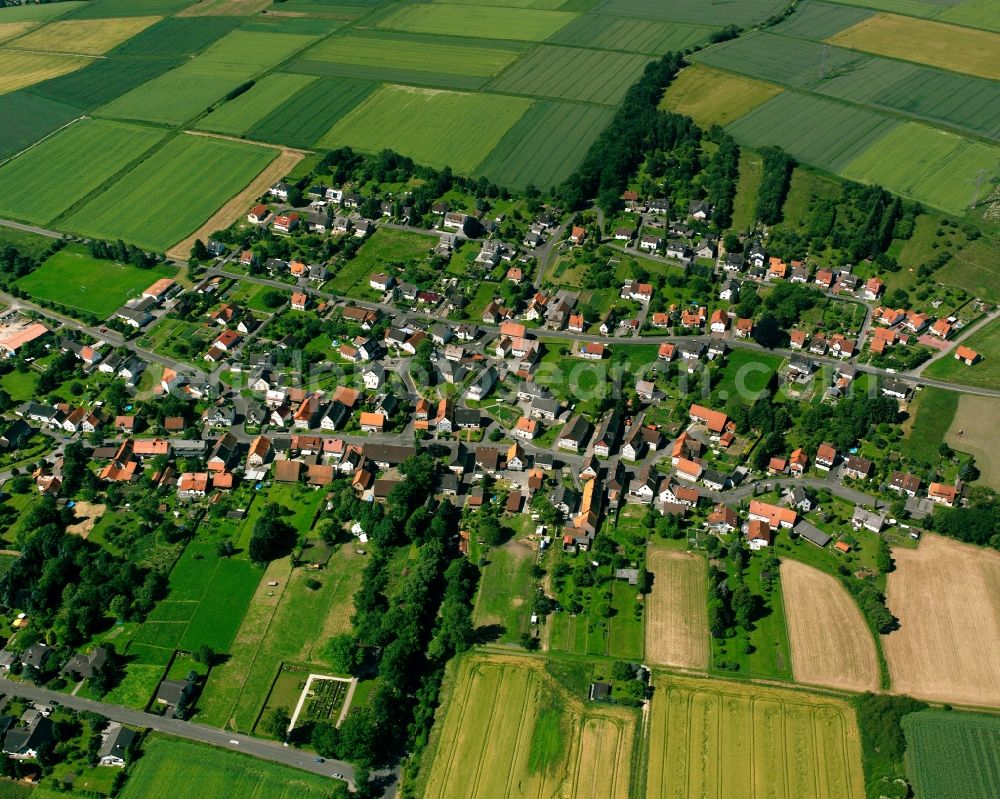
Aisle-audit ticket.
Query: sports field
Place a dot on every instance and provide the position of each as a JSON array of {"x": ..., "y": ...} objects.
[
  {"x": 20, "y": 69},
  {"x": 171, "y": 193},
  {"x": 677, "y": 616},
  {"x": 830, "y": 641},
  {"x": 944, "y": 594},
  {"x": 958, "y": 49},
  {"x": 488, "y": 22},
  {"x": 720, "y": 740},
  {"x": 237, "y": 116},
  {"x": 439, "y": 128},
  {"x": 183, "y": 93},
  {"x": 821, "y": 132},
  {"x": 545, "y": 145},
  {"x": 505, "y": 729},
  {"x": 933, "y": 166},
  {"x": 45, "y": 188},
  {"x": 711, "y": 96},
  {"x": 83, "y": 37},
  {"x": 572, "y": 73},
  {"x": 74, "y": 279},
  {"x": 953, "y": 755},
  {"x": 171, "y": 767}
]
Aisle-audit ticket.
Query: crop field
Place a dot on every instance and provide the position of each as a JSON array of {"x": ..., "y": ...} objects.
[
  {"x": 545, "y": 145},
  {"x": 435, "y": 127},
  {"x": 929, "y": 165},
  {"x": 953, "y": 755},
  {"x": 931, "y": 94},
  {"x": 572, "y": 73},
  {"x": 290, "y": 623},
  {"x": 74, "y": 279},
  {"x": 305, "y": 116},
  {"x": 717, "y": 739},
  {"x": 177, "y": 36},
  {"x": 83, "y": 37},
  {"x": 978, "y": 420},
  {"x": 506, "y": 729},
  {"x": 240, "y": 114},
  {"x": 170, "y": 194},
  {"x": 19, "y": 69},
  {"x": 630, "y": 35},
  {"x": 46, "y": 188},
  {"x": 183, "y": 93},
  {"x": 950, "y": 47},
  {"x": 38, "y": 12},
  {"x": 488, "y": 22},
  {"x": 695, "y": 11},
  {"x": 11, "y": 30},
  {"x": 711, "y": 96},
  {"x": 830, "y": 641},
  {"x": 208, "y": 8},
  {"x": 818, "y": 131},
  {"x": 28, "y": 118},
  {"x": 677, "y": 615},
  {"x": 944, "y": 594},
  {"x": 102, "y": 80},
  {"x": 975, "y": 13},
  {"x": 422, "y": 54},
  {"x": 813, "y": 20},
  {"x": 171, "y": 767}
]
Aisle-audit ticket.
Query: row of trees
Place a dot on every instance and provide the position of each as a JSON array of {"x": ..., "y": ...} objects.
[
  {"x": 776, "y": 177},
  {"x": 121, "y": 252}
]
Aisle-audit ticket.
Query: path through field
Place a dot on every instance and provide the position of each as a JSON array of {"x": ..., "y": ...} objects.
[
  {"x": 831, "y": 643},
  {"x": 677, "y": 614},
  {"x": 946, "y": 595}
]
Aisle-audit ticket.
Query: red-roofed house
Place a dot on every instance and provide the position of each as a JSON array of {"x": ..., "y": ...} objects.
[
  {"x": 967, "y": 356},
  {"x": 774, "y": 515},
  {"x": 715, "y": 421},
  {"x": 759, "y": 535}
]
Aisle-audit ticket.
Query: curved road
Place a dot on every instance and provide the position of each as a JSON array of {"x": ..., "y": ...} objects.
[{"x": 254, "y": 747}]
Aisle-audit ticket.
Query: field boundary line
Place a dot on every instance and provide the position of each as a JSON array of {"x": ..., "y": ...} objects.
[{"x": 44, "y": 138}]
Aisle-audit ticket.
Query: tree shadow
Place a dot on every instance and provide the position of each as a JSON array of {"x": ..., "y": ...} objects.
[{"x": 488, "y": 633}]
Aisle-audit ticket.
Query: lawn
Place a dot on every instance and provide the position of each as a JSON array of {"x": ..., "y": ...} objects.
[
  {"x": 974, "y": 268},
  {"x": 572, "y": 73},
  {"x": 958, "y": 49},
  {"x": 710, "y": 96},
  {"x": 545, "y": 145},
  {"x": 83, "y": 37},
  {"x": 717, "y": 738},
  {"x": 170, "y": 194},
  {"x": 953, "y": 755},
  {"x": 20, "y": 69},
  {"x": 171, "y": 767},
  {"x": 239, "y": 115},
  {"x": 506, "y": 590},
  {"x": 384, "y": 248},
  {"x": 20, "y": 385},
  {"x": 985, "y": 374},
  {"x": 745, "y": 375},
  {"x": 71, "y": 277},
  {"x": 438, "y": 128},
  {"x": 488, "y": 22},
  {"x": 186, "y": 92},
  {"x": 46, "y": 187},
  {"x": 929, "y": 165}
]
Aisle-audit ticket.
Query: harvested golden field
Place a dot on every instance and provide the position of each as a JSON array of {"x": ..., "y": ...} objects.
[
  {"x": 507, "y": 729},
  {"x": 946, "y": 595},
  {"x": 937, "y": 44},
  {"x": 711, "y": 96},
  {"x": 18, "y": 70},
  {"x": 8, "y": 30},
  {"x": 831, "y": 643},
  {"x": 84, "y": 36},
  {"x": 721, "y": 740},
  {"x": 677, "y": 609}
]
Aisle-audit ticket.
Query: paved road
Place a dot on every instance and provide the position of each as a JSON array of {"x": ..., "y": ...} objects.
[
  {"x": 254, "y": 747},
  {"x": 832, "y": 484},
  {"x": 956, "y": 341}
]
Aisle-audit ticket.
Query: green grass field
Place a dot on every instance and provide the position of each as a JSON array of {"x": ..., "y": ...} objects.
[
  {"x": 929, "y": 165},
  {"x": 974, "y": 268},
  {"x": 695, "y": 11},
  {"x": 545, "y": 145},
  {"x": 74, "y": 279},
  {"x": 239, "y": 115},
  {"x": 184, "y": 93},
  {"x": 821, "y": 20},
  {"x": 169, "y": 195},
  {"x": 27, "y": 118},
  {"x": 109, "y": 9},
  {"x": 986, "y": 373},
  {"x": 46, "y": 188},
  {"x": 384, "y": 247},
  {"x": 437, "y": 128},
  {"x": 746, "y": 374},
  {"x": 747, "y": 188},
  {"x": 952, "y": 755},
  {"x": 711, "y": 96},
  {"x": 504, "y": 590},
  {"x": 39, "y": 12},
  {"x": 177, "y": 36},
  {"x": 171, "y": 767},
  {"x": 305, "y": 116},
  {"x": 489, "y": 22},
  {"x": 102, "y": 80},
  {"x": 934, "y": 409},
  {"x": 630, "y": 35}
]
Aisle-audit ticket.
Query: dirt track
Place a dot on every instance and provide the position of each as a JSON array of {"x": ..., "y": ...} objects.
[
  {"x": 946, "y": 595},
  {"x": 830, "y": 641},
  {"x": 677, "y": 610}
]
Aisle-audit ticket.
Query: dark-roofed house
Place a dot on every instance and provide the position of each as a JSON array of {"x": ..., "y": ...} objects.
[
  {"x": 36, "y": 656},
  {"x": 810, "y": 533},
  {"x": 858, "y": 468},
  {"x": 116, "y": 746},
  {"x": 83, "y": 667},
  {"x": 574, "y": 434},
  {"x": 287, "y": 471},
  {"x": 24, "y": 741},
  {"x": 907, "y": 484},
  {"x": 174, "y": 693}
]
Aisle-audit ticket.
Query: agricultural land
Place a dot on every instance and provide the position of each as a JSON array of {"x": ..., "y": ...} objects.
[
  {"x": 953, "y": 755},
  {"x": 676, "y": 623}
]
